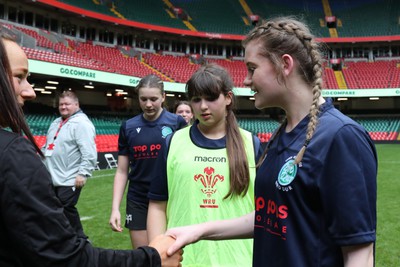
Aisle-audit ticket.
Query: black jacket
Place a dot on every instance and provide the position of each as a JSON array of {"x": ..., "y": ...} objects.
[{"x": 33, "y": 228}]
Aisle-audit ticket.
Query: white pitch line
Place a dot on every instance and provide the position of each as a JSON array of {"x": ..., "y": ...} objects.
[
  {"x": 99, "y": 176},
  {"x": 390, "y": 161},
  {"x": 86, "y": 218}
]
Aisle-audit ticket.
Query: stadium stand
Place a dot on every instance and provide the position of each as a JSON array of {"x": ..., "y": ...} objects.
[
  {"x": 379, "y": 74},
  {"x": 357, "y": 75},
  {"x": 226, "y": 16},
  {"x": 371, "y": 18},
  {"x": 354, "y": 17},
  {"x": 310, "y": 11},
  {"x": 330, "y": 81},
  {"x": 107, "y": 128},
  {"x": 236, "y": 68},
  {"x": 90, "y": 5},
  {"x": 381, "y": 129},
  {"x": 178, "y": 68}
]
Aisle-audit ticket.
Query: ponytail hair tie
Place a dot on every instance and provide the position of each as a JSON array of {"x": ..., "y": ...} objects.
[{"x": 299, "y": 155}]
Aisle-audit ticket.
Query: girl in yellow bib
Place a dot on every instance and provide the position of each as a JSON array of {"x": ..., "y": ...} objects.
[{"x": 209, "y": 175}]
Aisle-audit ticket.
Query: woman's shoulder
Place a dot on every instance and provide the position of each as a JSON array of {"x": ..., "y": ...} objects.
[
  {"x": 7, "y": 138},
  {"x": 334, "y": 120},
  {"x": 14, "y": 147}
]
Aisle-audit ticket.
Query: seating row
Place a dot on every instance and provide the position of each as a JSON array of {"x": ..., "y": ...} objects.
[
  {"x": 109, "y": 142},
  {"x": 104, "y": 143},
  {"x": 225, "y": 16},
  {"x": 357, "y": 75}
]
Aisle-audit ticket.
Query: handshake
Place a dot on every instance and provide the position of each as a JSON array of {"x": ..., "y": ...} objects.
[
  {"x": 170, "y": 245},
  {"x": 162, "y": 244}
]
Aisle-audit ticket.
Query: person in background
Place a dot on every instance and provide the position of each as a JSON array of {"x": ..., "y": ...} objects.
[
  {"x": 210, "y": 170},
  {"x": 19, "y": 69},
  {"x": 33, "y": 228},
  {"x": 70, "y": 154},
  {"x": 184, "y": 109},
  {"x": 140, "y": 143},
  {"x": 315, "y": 189}
]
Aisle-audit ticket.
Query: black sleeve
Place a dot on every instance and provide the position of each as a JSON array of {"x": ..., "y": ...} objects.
[{"x": 34, "y": 227}]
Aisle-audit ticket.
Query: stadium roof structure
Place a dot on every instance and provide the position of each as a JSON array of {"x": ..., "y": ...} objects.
[{"x": 356, "y": 21}]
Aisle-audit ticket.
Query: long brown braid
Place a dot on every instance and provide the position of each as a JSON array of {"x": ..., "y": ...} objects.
[{"x": 287, "y": 35}]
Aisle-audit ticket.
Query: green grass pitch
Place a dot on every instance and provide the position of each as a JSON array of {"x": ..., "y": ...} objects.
[{"x": 95, "y": 207}]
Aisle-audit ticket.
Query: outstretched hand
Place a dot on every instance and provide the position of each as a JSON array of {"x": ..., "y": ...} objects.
[
  {"x": 162, "y": 243},
  {"x": 183, "y": 236}
]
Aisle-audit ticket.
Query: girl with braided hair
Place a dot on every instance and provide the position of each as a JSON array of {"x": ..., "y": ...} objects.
[{"x": 315, "y": 188}]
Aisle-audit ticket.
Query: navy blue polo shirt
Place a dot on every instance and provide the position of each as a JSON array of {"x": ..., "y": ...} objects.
[
  {"x": 306, "y": 212},
  {"x": 142, "y": 141}
]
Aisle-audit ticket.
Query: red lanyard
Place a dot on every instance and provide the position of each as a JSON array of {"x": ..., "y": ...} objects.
[{"x": 62, "y": 122}]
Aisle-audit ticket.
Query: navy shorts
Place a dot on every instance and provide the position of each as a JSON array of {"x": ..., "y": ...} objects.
[{"x": 136, "y": 215}]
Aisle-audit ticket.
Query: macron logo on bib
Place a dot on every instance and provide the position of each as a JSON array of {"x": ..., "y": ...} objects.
[{"x": 138, "y": 130}]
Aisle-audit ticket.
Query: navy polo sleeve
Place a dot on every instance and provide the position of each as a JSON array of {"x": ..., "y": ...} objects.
[
  {"x": 348, "y": 187},
  {"x": 258, "y": 150},
  {"x": 123, "y": 148}
]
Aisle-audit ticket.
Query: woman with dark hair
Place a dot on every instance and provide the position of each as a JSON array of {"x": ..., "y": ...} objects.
[
  {"x": 33, "y": 228},
  {"x": 19, "y": 69},
  {"x": 15, "y": 65}
]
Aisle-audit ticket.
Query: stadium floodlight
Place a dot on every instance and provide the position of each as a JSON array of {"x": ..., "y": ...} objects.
[
  {"x": 50, "y": 87},
  {"x": 52, "y": 82},
  {"x": 89, "y": 86}
]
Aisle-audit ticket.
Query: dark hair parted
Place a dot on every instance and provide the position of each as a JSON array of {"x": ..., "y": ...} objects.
[
  {"x": 11, "y": 114},
  {"x": 150, "y": 81},
  {"x": 287, "y": 35},
  {"x": 210, "y": 81}
]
